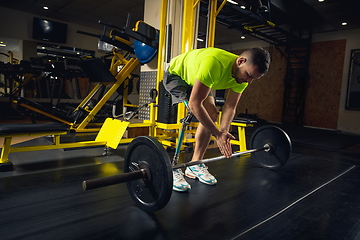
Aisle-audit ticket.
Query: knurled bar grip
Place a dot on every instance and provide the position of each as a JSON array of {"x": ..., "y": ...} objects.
[{"x": 111, "y": 180}]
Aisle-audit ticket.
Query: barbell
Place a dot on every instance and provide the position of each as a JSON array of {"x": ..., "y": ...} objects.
[{"x": 148, "y": 170}]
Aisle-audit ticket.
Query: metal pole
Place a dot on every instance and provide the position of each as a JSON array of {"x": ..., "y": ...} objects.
[
  {"x": 196, "y": 26},
  {"x": 108, "y": 181},
  {"x": 181, "y": 26},
  {"x": 208, "y": 25},
  {"x": 266, "y": 147},
  {"x": 167, "y": 36}
]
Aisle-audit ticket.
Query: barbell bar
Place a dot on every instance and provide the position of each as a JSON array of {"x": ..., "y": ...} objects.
[
  {"x": 236, "y": 154},
  {"x": 148, "y": 170},
  {"x": 142, "y": 172}
]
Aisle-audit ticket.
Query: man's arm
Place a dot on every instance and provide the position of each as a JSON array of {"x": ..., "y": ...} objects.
[
  {"x": 197, "y": 97},
  {"x": 198, "y": 94},
  {"x": 229, "y": 110}
]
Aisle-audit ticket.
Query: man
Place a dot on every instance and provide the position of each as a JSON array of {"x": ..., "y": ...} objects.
[{"x": 190, "y": 77}]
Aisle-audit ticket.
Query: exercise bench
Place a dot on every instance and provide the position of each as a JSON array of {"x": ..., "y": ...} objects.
[
  {"x": 241, "y": 124},
  {"x": 109, "y": 135}
]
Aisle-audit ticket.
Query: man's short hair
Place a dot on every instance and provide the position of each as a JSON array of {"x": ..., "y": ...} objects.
[{"x": 259, "y": 57}]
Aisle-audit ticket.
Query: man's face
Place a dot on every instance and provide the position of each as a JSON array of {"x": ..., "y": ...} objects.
[{"x": 246, "y": 72}]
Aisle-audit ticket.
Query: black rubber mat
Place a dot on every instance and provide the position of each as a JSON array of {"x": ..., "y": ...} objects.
[{"x": 309, "y": 198}]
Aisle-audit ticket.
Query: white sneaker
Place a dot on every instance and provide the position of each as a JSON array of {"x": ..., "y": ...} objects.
[
  {"x": 200, "y": 171},
  {"x": 179, "y": 182}
]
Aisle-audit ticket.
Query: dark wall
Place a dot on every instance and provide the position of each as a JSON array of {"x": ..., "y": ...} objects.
[
  {"x": 264, "y": 96},
  {"x": 324, "y": 86}
]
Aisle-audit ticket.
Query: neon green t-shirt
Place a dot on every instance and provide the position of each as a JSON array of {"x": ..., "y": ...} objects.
[{"x": 211, "y": 66}]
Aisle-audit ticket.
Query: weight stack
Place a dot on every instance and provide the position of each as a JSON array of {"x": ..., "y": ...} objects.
[{"x": 167, "y": 113}]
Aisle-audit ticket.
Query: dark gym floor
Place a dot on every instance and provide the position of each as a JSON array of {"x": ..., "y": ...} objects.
[{"x": 315, "y": 196}]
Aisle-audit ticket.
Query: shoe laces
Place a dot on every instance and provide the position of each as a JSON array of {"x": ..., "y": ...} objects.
[
  {"x": 178, "y": 174},
  {"x": 203, "y": 168}
]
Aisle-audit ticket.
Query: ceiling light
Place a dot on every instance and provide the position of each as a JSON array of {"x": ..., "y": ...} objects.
[
  {"x": 320, "y": 0},
  {"x": 242, "y": 37},
  {"x": 45, "y": 7},
  {"x": 2, "y": 45},
  {"x": 344, "y": 23},
  {"x": 233, "y": 2},
  {"x": 200, "y": 40},
  {"x": 243, "y": 6}
]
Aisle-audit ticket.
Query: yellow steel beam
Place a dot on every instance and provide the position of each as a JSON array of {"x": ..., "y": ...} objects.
[
  {"x": 5, "y": 150},
  {"x": 219, "y": 9},
  {"x": 123, "y": 74},
  {"x": 131, "y": 105},
  {"x": 45, "y": 113},
  {"x": 196, "y": 4},
  {"x": 166, "y": 133},
  {"x": 87, "y": 130},
  {"x": 90, "y": 95},
  {"x": 134, "y": 125},
  {"x": 161, "y": 63},
  {"x": 212, "y": 16},
  {"x": 168, "y": 126},
  {"x": 188, "y": 26},
  {"x": 11, "y": 56},
  {"x": 126, "y": 140},
  {"x": 58, "y": 146},
  {"x": 212, "y": 23},
  {"x": 32, "y": 134}
]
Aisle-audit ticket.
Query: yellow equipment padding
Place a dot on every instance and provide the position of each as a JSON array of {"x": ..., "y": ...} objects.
[{"x": 111, "y": 132}]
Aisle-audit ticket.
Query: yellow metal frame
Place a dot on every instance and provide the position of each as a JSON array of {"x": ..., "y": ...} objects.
[
  {"x": 121, "y": 69},
  {"x": 250, "y": 28},
  {"x": 44, "y": 113},
  {"x": 120, "y": 39},
  {"x": 212, "y": 23},
  {"x": 108, "y": 138},
  {"x": 162, "y": 131},
  {"x": 120, "y": 77},
  {"x": 118, "y": 61},
  {"x": 166, "y": 131},
  {"x": 110, "y": 135},
  {"x": 241, "y": 142},
  {"x": 8, "y": 149}
]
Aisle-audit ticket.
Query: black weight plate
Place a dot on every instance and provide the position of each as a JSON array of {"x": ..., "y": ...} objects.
[
  {"x": 152, "y": 194},
  {"x": 280, "y": 146}
]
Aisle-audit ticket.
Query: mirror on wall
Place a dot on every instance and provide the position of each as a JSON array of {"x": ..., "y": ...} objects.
[
  {"x": 353, "y": 92},
  {"x": 8, "y": 45}
]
